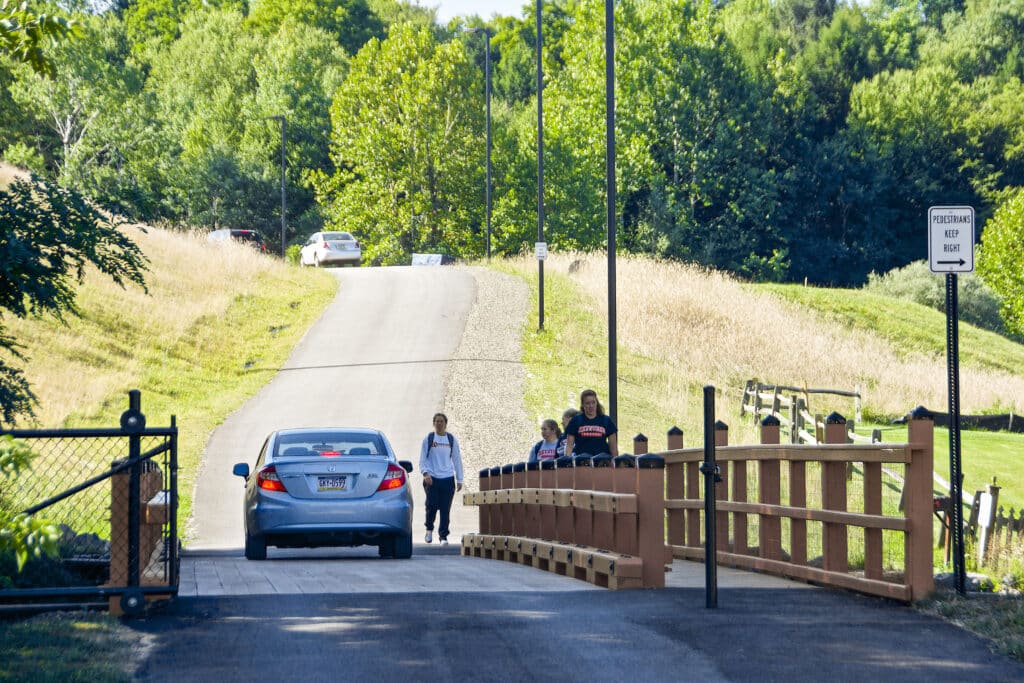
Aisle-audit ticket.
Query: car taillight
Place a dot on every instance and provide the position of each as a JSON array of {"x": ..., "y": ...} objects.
[
  {"x": 357, "y": 244},
  {"x": 326, "y": 246},
  {"x": 394, "y": 479},
  {"x": 330, "y": 454},
  {"x": 268, "y": 480}
]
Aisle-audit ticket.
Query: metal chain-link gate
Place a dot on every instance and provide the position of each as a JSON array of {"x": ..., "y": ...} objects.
[{"x": 113, "y": 494}]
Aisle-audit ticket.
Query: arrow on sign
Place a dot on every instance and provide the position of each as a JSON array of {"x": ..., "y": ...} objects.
[{"x": 951, "y": 263}]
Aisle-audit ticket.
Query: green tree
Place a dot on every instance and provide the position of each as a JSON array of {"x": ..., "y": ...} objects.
[
  {"x": 407, "y": 152},
  {"x": 23, "y": 34},
  {"x": 98, "y": 115},
  {"x": 351, "y": 22},
  {"x": 48, "y": 235},
  {"x": 1001, "y": 261}
]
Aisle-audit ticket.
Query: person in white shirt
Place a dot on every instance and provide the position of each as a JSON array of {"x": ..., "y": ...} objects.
[{"x": 441, "y": 465}]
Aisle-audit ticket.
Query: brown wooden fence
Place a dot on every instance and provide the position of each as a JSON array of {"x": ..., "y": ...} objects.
[{"x": 825, "y": 513}]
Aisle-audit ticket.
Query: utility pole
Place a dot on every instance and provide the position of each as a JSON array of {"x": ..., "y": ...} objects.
[{"x": 284, "y": 147}]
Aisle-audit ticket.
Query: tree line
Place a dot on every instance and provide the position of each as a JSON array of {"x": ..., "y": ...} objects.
[{"x": 777, "y": 139}]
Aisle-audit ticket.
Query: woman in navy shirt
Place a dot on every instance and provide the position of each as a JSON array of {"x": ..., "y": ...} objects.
[{"x": 591, "y": 432}]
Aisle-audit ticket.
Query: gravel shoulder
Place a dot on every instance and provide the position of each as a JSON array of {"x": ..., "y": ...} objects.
[{"x": 485, "y": 381}]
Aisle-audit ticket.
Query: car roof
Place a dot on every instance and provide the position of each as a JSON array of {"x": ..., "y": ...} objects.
[{"x": 310, "y": 430}]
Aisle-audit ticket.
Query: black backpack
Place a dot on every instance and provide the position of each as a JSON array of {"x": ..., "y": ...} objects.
[{"x": 451, "y": 442}]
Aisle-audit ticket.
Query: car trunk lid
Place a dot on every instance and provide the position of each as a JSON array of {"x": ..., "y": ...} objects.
[{"x": 332, "y": 477}]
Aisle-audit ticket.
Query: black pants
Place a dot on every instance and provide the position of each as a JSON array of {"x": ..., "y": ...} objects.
[{"x": 439, "y": 499}]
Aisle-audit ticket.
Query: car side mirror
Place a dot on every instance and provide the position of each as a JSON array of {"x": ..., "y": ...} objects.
[
  {"x": 406, "y": 465},
  {"x": 241, "y": 470}
]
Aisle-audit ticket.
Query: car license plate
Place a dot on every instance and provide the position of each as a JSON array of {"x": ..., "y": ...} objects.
[{"x": 330, "y": 483}]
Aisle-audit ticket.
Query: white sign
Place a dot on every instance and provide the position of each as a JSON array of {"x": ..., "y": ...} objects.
[
  {"x": 426, "y": 259},
  {"x": 541, "y": 249},
  {"x": 951, "y": 239}
]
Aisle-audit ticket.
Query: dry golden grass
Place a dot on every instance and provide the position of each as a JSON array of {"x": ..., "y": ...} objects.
[
  {"x": 189, "y": 280},
  {"x": 712, "y": 329},
  {"x": 9, "y": 173}
]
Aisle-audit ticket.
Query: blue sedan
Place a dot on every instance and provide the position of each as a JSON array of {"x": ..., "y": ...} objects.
[{"x": 327, "y": 487}]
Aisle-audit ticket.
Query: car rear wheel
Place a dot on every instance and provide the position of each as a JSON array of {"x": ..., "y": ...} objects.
[
  {"x": 402, "y": 546},
  {"x": 255, "y": 547},
  {"x": 316, "y": 262}
]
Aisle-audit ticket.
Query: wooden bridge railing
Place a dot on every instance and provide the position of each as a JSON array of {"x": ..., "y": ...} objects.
[
  {"x": 608, "y": 522},
  {"x": 590, "y": 518}
]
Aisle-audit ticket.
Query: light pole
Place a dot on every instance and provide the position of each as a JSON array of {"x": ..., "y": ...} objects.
[
  {"x": 540, "y": 171},
  {"x": 609, "y": 58},
  {"x": 487, "y": 91},
  {"x": 284, "y": 143}
]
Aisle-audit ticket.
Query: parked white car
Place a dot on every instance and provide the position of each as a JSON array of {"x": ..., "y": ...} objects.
[{"x": 331, "y": 249}]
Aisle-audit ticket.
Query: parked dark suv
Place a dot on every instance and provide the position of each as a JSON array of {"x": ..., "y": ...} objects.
[{"x": 250, "y": 237}]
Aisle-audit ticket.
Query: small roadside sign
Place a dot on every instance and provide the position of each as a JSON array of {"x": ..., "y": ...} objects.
[
  {"x": 541, "y": 249},
  {"x": 951, "y": 239}
]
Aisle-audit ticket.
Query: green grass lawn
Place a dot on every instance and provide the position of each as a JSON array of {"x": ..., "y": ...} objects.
[
  {"x": 983, "y": 455},
  {"x": 910, "y": 327}
]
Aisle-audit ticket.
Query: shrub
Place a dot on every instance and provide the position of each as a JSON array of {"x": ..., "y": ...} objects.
[
  {"x": 1002, "y": 259},
  {"x": 978, "y": 304}
]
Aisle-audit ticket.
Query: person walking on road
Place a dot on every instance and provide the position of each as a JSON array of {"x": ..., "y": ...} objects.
[
  {"x": 441, "y": 465},
  {"x": 591, "y": 432}
]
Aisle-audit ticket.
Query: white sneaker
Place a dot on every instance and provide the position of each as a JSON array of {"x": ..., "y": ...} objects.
[
  {"x": 429, "y": 537},
  {"x": 444, "y": 541}
]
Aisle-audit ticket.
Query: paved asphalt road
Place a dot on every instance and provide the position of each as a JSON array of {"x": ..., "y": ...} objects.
[
  {"x": 598, "y": 635},
  {"x": 377, "y": 357}
]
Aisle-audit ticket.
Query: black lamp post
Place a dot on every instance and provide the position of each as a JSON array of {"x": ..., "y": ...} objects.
[
  {"x": 284, "y": 143},
  {"x": 540, "y": 170},
  {"x": 487, "y": 91},
  {"x": 609, "y": 69}
]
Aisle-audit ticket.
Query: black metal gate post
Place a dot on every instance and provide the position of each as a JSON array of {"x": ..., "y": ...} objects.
[
  {"x": 711, "y": 475},
  {"x": 133, "y": 422}
]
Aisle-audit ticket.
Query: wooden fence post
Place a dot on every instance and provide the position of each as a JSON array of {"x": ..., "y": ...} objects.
[
  {"x": 795, "y": 420},
  {"x": 650, "y": 491},
  {"x": 747, "y": 387},
  {"x": 873, "y": 506},
  {"x": 533, "y": 509},
  {"x": 989, "y": 503},
  {"x": 801, "y": 421},
  {"x": 675, "y": 489},
  {"x": 639, "y": 445},
  {"x": 518, "y": 509},
  {"x": 484, "y": 511},
  {"x": 769, "y": 483},
  {"x": 583, "y": 480},
  {"x": 722, "y": 490},
  {"x": 603, "y": 531},
  {"x": 833, "y": 497},
  {"x": 918, "y": 504},
  {"x": 547, "y": 512},
  {"x": 564, "y": 520},
  {"x": 624, "y": 481},
  {"x": 505, "y": 509}
]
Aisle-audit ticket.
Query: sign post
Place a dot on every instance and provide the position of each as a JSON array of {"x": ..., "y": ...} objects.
[{"x": 951, "y": 251}]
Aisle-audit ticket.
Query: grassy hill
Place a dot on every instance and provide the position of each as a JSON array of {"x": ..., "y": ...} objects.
[
  {"x": 681, "y": 328},
  {"x": 215, "y": 324}
]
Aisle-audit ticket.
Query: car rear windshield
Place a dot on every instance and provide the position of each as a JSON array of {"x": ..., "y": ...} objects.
[
  {"x": 334, "y": 236},
  {"x": 328, "y": 444}
]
